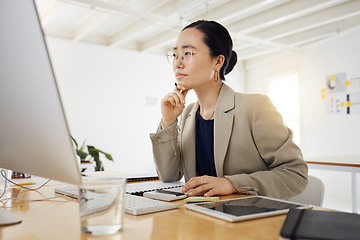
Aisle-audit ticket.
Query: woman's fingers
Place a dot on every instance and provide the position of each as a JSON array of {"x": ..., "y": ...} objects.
[
  {"x": 173, "y": 104},
  {"x": 209, "y": 186},
  {"x": 181, "y": 89},
  {"x": 176, "y": 97},
  {"x": 176, "y": 100},
  {"x": 194, "y": 185}
]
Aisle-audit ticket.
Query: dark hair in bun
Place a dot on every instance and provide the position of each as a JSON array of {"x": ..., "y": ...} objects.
[{"x": 218, "y": 39}]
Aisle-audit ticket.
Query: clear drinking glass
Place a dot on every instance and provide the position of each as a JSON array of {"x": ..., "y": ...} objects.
[{"x": 102, "y": 204}]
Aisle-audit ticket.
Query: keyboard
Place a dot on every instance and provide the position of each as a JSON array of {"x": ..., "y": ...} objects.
[
  {"x": 137, "y": 205},
  {"x": 134, "y": 205}
]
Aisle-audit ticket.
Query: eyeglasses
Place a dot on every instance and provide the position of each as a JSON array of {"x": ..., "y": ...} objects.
[{"x": 185, "y": 56}]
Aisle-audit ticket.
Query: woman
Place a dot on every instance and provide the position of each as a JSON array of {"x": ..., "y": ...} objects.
[{"x": 226, "y": 142}]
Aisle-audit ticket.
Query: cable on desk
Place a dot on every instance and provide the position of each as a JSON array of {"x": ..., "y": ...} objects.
[
  {"x": 31, "y": 200},
  {"x": 4, "y": 174},
  {"x": 50, "y": 199}
]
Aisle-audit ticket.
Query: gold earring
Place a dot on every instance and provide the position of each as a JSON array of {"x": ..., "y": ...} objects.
[{"x": 216, "y": 76}]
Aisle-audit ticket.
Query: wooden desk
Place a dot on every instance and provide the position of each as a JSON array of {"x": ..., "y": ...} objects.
[
  {"x": 349, "y": 164},
  {"x": 59, "y": 219}
]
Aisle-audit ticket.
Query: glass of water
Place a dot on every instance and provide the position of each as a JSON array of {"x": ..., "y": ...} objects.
[{"x": 102, "y": 204}]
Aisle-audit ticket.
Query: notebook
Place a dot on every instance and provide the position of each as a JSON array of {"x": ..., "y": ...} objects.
[
  {"x": 311, "y": 224},
  {"x": 142, "y": 187},
  {"x": 142, "y": 179},
  {"x": 138, "y": 188}
]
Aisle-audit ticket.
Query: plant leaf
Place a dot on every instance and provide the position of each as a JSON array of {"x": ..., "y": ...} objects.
[
  {"x": 93, "y": 152},
  {"x": 76, "y": 144},
  {"x": 83, "y": 145},
  {"x": 81, "y": 154},
  {"x": 108, "y": 156}
]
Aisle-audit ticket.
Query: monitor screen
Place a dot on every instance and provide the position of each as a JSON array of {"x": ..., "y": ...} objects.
[{"x": 34, "y": 136}]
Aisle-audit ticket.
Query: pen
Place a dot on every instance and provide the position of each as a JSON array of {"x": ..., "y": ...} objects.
[{"x": 25, "y": 183}]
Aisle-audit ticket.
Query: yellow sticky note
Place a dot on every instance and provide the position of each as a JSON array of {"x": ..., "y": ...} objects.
[
  {"x": 347, "y": 83},
  {"x": 348, "y": 103},
  {"x": 323, "y": 90},
  {"x": 322, "y": 96},
  {"x": 332, "y": 77},
  {"x": 342, "y": 104},
  {"x": 201, "y": 199}
]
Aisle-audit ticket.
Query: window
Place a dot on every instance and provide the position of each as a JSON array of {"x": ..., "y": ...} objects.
[{"x": 284, "y": 93}]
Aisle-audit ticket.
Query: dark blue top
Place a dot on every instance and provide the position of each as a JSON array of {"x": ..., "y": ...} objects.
[{"x": 204, "y": 141}]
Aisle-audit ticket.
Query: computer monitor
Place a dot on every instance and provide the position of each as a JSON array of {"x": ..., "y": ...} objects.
[{"x": 34, "y": 136}]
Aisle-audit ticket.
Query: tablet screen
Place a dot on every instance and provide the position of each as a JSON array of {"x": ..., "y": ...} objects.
[{"x": 245, "y": 208}]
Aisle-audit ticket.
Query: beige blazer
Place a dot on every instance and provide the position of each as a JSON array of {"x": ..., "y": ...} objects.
[{"x": 252, "y": 147}]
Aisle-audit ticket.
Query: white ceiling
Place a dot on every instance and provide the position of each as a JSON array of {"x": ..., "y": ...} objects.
[{"x": 260, "y": 28}]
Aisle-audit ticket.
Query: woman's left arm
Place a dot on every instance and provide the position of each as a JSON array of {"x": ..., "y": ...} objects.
[{"x": 286, "y": 173}]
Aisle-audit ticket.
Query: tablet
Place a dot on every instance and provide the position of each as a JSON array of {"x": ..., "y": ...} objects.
[{"x": 246, "y": 208}]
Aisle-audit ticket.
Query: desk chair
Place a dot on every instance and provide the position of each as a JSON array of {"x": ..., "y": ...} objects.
[{"x": 313, "y": 193}]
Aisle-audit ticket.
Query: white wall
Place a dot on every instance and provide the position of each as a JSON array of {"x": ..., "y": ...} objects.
[
  {"x": 322, "y": 134},
  {"x": 112, "y": 99}
]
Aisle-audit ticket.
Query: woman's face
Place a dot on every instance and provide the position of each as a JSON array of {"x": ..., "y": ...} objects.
[{"x": 200, "y": 70}]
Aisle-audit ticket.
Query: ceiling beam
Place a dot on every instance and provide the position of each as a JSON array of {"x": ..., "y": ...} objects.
[
  {"x": 115, "y": 9},
  {"x": 122, "y": 37},
  {"x": 125, "y": 11},
  {"x": 58, "y": 33},
  {"x": 284, "y": 13},
  {"x": 128, "y": 33},
  {"x": 237, "y": 10},
  {"x": 219, "y": 12},
  {"x": 172, "y": 10},
  {"x": 300, "y": 38},
  {"x": 165, "y": 39},
  {"x": 136, "y": 29},
  {"x": 338, "y": 13},
  {"x": 49, "y": 11},
  {"x": 293, "y": 42},
  {"x": 128, "y": 25},
  {"x": 307, "y": 39},
  {"x": 315, "y": 20},
  {"x": 95, "y": 20},
  {"x": 264, "y": 42},
  {"x": 269, "y": 57},
  {"x": 251, "y": 53},
  {"x": 329, "y": 29}
]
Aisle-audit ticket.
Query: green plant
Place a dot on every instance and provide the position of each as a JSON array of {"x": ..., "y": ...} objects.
[{"x": 92, "y": 155}]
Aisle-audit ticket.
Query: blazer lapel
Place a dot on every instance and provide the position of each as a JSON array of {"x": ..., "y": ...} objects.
[{"x": 223, "y": 126}]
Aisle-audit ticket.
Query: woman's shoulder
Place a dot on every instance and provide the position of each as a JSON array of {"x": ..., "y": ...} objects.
[
  {"x": 244, "y": 96},
  {"x": 251, "y": 97}
]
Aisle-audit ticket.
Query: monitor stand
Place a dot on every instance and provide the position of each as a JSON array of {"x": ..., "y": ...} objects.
[{"x": 7, "y": 218}]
